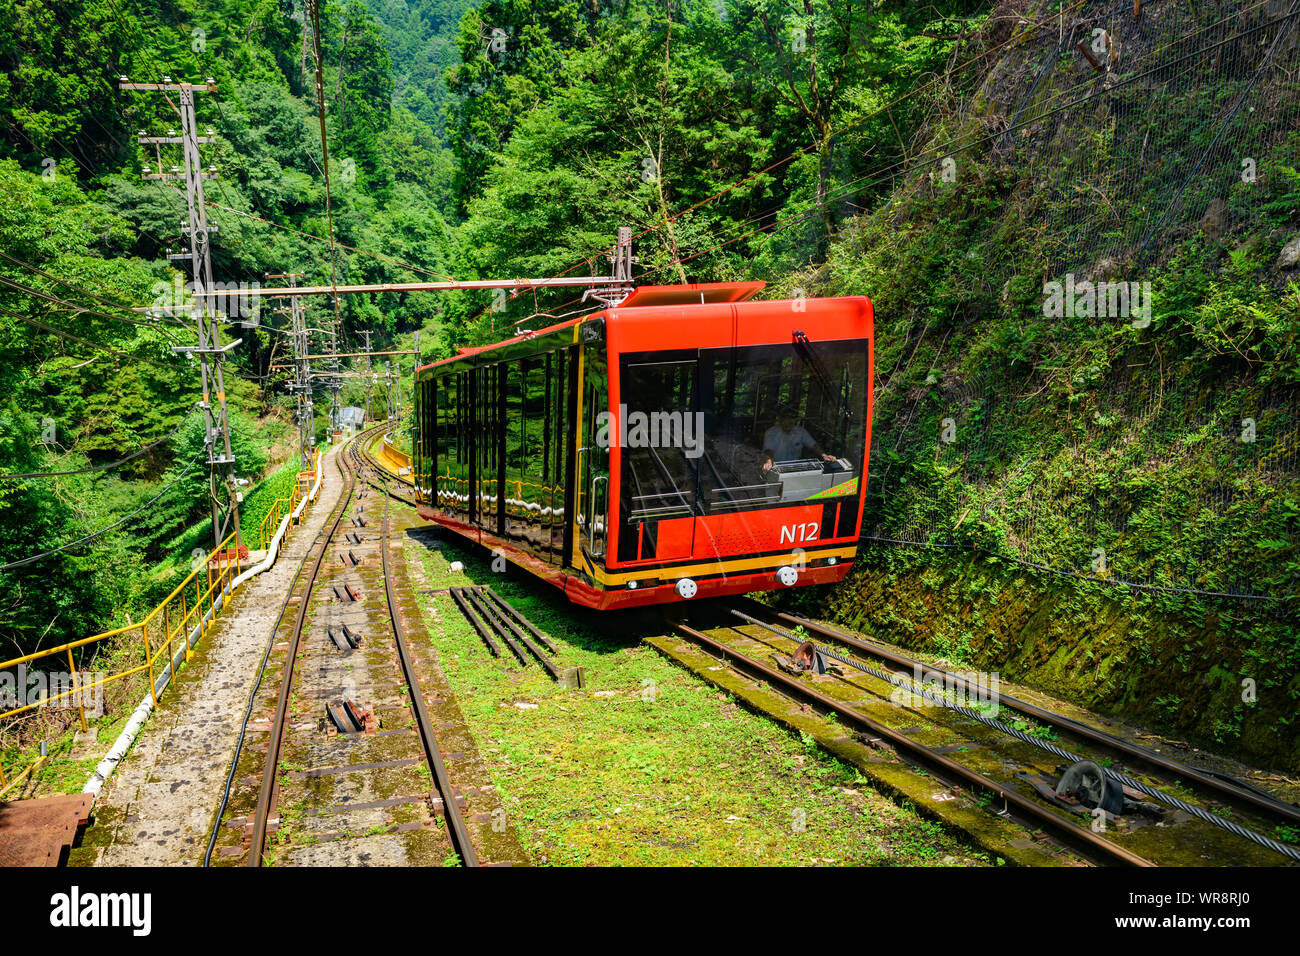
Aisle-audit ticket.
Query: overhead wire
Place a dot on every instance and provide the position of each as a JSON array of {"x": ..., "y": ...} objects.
[
  {"x": 90, "y": 169},
  {"x": 102, "y": 531},
  {"x": 314, "y": 13},
  {"x": 70, "y": 305},
  {"x": 81, "y": 307},
  {"x": 113, "y": 464},
  {"x": 342, "y": 245},
  {"x": 74, "y": 338}
]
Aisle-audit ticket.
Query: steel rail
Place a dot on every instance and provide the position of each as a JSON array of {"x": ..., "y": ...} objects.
[
  {"x": 252, "y": 698},
  {"x": 389, "y": 492},
  {"x": 472, "y": 616},
  {"x": 1077, "y": 836},
  {"x": 269, "y": 786},
  {"x": 1234, "y": 795},
  {"x": 940, "y": 699},
  {"x": 456, "y": 827},
  {"x": 510, "y": 610},
  {"x": 375, "y": 465},
  {"x": 507, "y": 621},
  {"x": 494, "y": 621}
]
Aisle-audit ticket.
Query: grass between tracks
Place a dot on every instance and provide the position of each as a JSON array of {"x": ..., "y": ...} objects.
[{"x": 646, "y": 764}]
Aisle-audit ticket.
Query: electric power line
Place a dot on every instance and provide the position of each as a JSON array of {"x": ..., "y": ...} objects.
[
  {"x": 103, "y": 531},
  {"x": 113, "y": 464},
  {"x": 74, "y": 338}
]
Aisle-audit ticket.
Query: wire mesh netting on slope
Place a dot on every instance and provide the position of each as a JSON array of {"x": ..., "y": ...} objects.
[
  {"x": 1136, "y": 132},
  {"x": 1099, "y": 499},
  {"x": 1181, "y": 106}
]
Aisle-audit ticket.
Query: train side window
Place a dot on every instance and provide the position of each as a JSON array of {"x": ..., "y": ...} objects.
[
  {"x": 457, "y": 456},
  {"x": 515, "y": 423},
  {"x": 444, "y": 440},
  {"x": 482, "y": 435},
  {"x": 534, "y": 398},
  {"x": 449, "y": 440},
  {"x": 531, "y": 491},
  {"x": 558, "y": 451},
  {"x": 463, "y": 433},
  {"x": 664, "y": 439}
]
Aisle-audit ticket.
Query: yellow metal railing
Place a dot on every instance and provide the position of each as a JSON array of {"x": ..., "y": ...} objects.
[
  {"x": 175, "y": 618},
  {"x": 282, "y": 506},
  {"x": 160, "y": 631},
  {"x": 279, "y": 508}
]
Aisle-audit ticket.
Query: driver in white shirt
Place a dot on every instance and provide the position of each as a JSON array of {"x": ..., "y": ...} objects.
[{"x": 788, "y": 441}]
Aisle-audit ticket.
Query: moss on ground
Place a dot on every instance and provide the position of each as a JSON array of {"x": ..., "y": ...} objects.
[{"x": 646, "y": 764}]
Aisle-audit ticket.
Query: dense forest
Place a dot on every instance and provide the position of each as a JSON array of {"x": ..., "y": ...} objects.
[
  {"x": 827, "y": 146},
  {"x": 508, "y": 139}
]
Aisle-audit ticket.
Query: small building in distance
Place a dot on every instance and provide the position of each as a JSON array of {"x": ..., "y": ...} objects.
[{"x": 351, "y": 419}]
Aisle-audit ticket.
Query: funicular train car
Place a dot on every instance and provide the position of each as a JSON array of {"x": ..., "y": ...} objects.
[{"x": 684, "y": 443}]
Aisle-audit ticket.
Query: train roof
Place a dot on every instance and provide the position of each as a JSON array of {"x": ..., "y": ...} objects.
[{"x": 642, "y": 298}]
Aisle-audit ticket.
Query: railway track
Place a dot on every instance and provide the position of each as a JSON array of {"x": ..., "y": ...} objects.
[
  {"x": 386, "y": 480},
  {"x": 1011, "y": 767},
  {"x": 353, "y": 770},
  {"x": 1007, "y": 761}
]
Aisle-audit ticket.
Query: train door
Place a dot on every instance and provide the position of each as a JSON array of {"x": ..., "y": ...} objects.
[
  {"x": 660, "y": 464},
  {"x": 591, "y": 479}
]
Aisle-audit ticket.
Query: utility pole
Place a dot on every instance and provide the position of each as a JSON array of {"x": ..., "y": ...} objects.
[
  {"x": 392, "y": 392},
  {"x": 336, "y": 384},
  {"x": 211, "y": 353},
  {"x": 301, "y": 386},
  {"x": 369, "y": 372},
  {"x": 397, "y": 393},
  {"x": 388, "y": 390},
  {"x": 415, "y": 368}
]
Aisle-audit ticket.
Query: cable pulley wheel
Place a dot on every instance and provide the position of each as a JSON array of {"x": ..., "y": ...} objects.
[{"x": 1086, "y": 782}]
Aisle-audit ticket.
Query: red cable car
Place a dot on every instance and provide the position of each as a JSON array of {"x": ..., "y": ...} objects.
[{"x": 685, "y": 443}]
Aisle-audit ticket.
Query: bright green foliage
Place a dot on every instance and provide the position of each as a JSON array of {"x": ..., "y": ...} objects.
[
  {"x": 696, "y": 130},
  {"x": 739, "y": 139},
  {"x": 503, "y": 138},
  {"x": 421, "y": 38}
]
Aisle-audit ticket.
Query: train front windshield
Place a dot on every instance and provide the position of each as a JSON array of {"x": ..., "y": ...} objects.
[{"x": 724, "y": 430}]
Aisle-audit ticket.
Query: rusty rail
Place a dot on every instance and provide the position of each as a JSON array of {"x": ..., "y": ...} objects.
[
  {"x": 1229, "y": 792},
  {"x": 1079, "y": 837}
]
